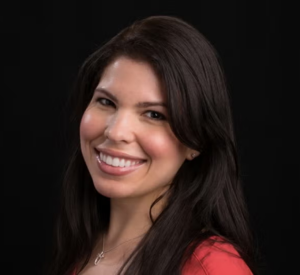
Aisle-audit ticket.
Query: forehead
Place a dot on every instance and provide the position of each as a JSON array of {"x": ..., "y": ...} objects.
[{"x": 128, "y": 77}]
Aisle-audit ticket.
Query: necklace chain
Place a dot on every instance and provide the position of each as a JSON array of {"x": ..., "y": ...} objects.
[{"x": 100, "y": 255}]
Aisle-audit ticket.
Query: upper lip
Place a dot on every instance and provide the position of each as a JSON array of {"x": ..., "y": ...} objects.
[{"x": 117, "y": 154}]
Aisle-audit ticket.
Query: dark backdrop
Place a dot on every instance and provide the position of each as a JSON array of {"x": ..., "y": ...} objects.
[{"x": 45, "y": 42}]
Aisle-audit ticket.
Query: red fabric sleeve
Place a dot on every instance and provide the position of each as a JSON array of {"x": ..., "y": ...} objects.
[{"x": 215, "y": 259}]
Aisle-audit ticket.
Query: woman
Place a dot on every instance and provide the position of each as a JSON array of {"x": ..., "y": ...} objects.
[{"x": 152, "y": 186}]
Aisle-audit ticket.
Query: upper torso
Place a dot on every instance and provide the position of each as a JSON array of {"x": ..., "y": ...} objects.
[{"x": 208, "y": 259}]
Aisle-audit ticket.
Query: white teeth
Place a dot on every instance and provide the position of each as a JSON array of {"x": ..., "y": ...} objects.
[
  {"x": 122, "y": 163},
  {"x": 108, "y": 160},
  {"x": 127, "y": 163},
  {"x": 116, "y": 162},
  {"x": 102, "y": 157}
]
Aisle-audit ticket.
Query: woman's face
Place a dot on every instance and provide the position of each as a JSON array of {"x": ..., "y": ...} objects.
[{"x": 126, "y": 140}]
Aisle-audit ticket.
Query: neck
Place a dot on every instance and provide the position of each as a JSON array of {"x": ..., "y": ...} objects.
[{"x": 129, "y": 218}]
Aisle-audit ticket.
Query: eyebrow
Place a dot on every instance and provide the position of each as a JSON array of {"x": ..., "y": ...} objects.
[
  {"x": 139, "y": 104},
  {"x": 107, "y": 93}
]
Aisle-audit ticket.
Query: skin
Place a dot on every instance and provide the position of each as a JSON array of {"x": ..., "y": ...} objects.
[{"x": 118, "y": 119}]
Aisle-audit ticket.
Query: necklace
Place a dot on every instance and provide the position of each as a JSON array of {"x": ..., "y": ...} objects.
[{"x": 100, "y": 255}]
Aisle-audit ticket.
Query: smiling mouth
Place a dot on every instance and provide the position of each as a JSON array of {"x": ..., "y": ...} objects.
[{"x": 117, "y": 161}]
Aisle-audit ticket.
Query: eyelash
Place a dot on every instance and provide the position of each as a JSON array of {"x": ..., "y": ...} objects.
[
  {"x": 101, "y": 99},
  {"x": 158, "y": 115},
  {"x": 161, "y": 116}
]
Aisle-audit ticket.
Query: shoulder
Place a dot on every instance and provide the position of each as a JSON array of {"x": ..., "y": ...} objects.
[{"x": 214, "y": 257}]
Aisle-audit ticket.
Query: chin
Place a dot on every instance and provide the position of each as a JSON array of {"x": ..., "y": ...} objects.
[{"x": 113, "y": 190}]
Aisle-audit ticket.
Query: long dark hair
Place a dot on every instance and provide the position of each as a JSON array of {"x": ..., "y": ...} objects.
[{"x": 205, "y": 198}]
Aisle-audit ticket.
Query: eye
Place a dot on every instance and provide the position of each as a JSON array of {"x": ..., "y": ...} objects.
[
  {"x": 105, "y": 101},
  {"x": 155, "y": 115}
]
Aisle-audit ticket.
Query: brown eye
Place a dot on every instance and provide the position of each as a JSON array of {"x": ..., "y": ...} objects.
[
  {"x": 155, "y": 115},
  {"x": 105, "y": 101}
]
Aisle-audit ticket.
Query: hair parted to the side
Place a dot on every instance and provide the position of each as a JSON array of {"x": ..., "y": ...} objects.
[{"x": 205, "y": 198}]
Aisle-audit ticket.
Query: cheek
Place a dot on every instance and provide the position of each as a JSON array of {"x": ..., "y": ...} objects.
[
  {"x": 91, "y": 125},
  {"x": 163, "y": 145}
]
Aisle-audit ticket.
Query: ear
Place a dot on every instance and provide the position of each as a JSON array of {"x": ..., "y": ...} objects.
[{"x": 191, "y": 154}]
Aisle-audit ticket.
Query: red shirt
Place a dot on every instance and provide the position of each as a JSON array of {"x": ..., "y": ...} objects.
[{"x": 216, "y": 259}]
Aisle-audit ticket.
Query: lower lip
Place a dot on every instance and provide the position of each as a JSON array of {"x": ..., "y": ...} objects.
[{"x": 116, "y": 171}]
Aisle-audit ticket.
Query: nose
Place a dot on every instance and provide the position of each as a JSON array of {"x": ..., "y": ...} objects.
[{"x": 120, "y": 128}]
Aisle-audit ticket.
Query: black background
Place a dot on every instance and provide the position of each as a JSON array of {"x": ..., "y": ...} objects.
[{"x": 45, "y": 42}]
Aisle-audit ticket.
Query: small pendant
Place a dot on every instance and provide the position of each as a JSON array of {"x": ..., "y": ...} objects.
[{"x": 100, "y": 256}]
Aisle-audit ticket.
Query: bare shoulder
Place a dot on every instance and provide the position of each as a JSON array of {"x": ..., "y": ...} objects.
[{"x": 214, "y": 257}]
